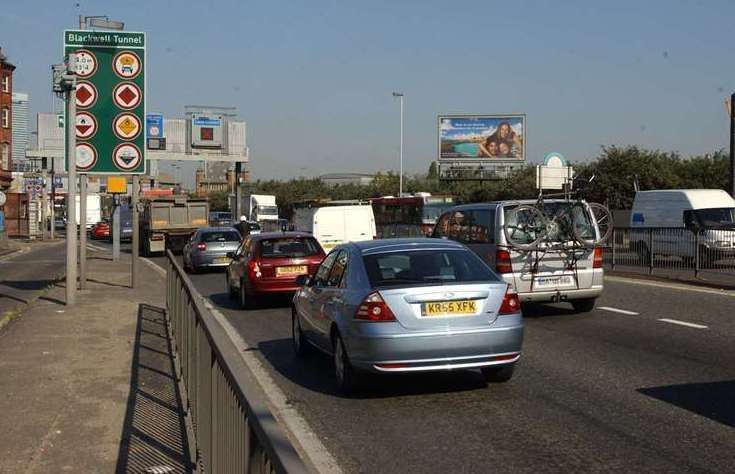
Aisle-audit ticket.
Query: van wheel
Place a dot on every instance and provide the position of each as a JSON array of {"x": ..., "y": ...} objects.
[
  {"x": 498, "y": 374},
  {"x": 584, "y": 306}
]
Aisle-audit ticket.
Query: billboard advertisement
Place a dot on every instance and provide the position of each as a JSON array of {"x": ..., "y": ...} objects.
[{"x": 482, "y": 137}]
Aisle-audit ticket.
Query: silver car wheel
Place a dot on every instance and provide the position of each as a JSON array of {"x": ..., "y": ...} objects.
[{"x": 339, "y": 361}]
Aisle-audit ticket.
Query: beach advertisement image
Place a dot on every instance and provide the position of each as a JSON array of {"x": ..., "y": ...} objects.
[{"x": 482, "y": 137}]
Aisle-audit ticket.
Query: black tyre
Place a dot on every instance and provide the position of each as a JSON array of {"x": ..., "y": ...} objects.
[
  {"x": 230, "y": 291},
  {"x": 498, "y": 373},
  {"x": 300, "y": 344},
  {"x": 246, "y": 301},
  {"x": 347, "y": 379},
  {"x": 584, "y": 306}
]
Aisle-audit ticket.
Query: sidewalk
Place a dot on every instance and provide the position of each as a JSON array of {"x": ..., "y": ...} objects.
[{"x": 91, "y": 388}]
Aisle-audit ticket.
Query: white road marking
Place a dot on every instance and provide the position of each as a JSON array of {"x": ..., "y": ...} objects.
[
  {"x": 683, "y": 323},
  {"x": 670, "y": 286},
  {"x": 618, "y": 310}
]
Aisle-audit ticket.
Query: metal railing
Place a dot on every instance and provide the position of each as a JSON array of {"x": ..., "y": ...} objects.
[
  {"x": 234, "y": 429},
  {"x": 673, "y": 251}
]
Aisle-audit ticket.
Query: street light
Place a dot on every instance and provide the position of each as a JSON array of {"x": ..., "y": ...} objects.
[{"x": 400, "y": 153}]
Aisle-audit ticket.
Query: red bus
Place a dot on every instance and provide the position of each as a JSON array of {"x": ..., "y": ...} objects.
[{"x": 408, "y": 216}]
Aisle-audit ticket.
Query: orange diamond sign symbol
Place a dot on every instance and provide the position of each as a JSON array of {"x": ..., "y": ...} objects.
[{"x": 127, "y": 126}]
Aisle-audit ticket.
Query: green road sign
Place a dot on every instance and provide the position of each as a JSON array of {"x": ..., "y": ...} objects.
[{"x": 110, "y": 100}]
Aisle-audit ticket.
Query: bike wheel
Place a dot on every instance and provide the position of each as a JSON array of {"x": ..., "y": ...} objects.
[
  {"x": 525, "y": 226},
  {"x": 600, "y": 215}
]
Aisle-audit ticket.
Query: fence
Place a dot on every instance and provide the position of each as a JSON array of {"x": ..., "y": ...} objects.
[
  {"x": 673, "y": 251},
  {"x": 234, "y": 430}
]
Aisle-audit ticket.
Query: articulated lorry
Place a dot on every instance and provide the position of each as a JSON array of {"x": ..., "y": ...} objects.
[{"x": 167, "y": 222}]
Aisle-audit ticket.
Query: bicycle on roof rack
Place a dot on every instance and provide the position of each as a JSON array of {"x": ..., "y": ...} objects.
[{"x": 576, "y": 224}]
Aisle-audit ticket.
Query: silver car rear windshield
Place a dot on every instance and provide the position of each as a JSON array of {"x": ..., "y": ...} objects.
[
  {"x": 224, "y": 236},
  {"x": 565, "y": 214},
  {"x": 426, "y": 267}
]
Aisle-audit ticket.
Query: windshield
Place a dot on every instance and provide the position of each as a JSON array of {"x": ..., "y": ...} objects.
[
  {"x": 268, "y": 210},
  {"x": 412, "y": 267},
  {"x": 224, "y": 236},
  {"x": 431, "y": 212},
  {"x": 563, "y": 215},
  {"x": 716, "y": 217},
  {"x": 289, "y": 247}
]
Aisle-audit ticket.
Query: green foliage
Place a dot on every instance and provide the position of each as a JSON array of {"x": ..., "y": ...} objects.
[
  {"x": 219, "y": 201},
  {"x": 615, "y": 170}
]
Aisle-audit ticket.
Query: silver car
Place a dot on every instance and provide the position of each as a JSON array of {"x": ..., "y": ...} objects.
[
  {"x": 408, "y": 305},
  {"x": 208, "y": 248}
]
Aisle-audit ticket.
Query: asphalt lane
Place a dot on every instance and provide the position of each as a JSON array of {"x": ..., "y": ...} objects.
[
  {"x": 25, "y": 274},
  {"x": 602, "y": 391}
]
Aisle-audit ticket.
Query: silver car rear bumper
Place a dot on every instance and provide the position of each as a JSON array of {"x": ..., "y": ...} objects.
[
  {"x": 560, "y": 295},
  {"x": 434, "y": 351}
]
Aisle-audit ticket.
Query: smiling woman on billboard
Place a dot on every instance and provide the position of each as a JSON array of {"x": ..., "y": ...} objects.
[{"x": 482, "y": 137}]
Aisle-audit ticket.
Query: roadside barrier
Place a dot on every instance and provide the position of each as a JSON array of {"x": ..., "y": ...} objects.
[
  {"x": 234, "y": 430},
  {"x": 672, "y": 251}
]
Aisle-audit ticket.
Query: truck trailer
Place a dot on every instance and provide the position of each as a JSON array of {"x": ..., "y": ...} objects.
[{"x": 167, "y": 222}]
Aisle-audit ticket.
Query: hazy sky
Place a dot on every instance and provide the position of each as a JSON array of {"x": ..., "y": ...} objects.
[{"x": 313, "y": 79}]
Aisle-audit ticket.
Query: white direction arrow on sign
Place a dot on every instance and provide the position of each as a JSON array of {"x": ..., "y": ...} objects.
[{"x": 86, "y": 156}]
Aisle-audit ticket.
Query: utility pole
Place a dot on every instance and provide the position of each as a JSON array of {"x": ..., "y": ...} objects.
[
  {"x": 82, "y": 231},
  {"x": 65, "y": 82},
  {"x": 52, "y": 230},
  {"x": 136, "y": 230},
  {"x": 400, "y": 153},
  {"x": 237, "y": 212}
]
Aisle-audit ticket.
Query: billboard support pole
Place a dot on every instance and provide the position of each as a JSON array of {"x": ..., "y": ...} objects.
[
  {"x": 71, "y": 194},
  {"x": 82, "y": 231},
  {"x": 238, "y": 193},
  {"x": 732, "y": 145}
]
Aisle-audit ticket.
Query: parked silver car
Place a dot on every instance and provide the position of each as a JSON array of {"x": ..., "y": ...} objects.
[
  {"x": 208, "y": 248},
  {"x": 408, "y": 305}
]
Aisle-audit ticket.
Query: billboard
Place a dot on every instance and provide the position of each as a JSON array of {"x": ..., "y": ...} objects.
[{"x": 482, "y": 137}]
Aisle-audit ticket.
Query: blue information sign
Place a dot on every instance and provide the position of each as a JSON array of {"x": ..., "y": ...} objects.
[{"x": 154, "y": 125}]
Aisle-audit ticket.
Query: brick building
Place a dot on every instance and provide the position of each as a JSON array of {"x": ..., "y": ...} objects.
[{"x": 6, "y": 121}]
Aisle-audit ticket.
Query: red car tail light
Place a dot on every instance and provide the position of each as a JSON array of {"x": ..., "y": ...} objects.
[
  {"x": 254, "y": 269},
  {"x": 511, "y": 302},
  {"x": 597, "y": 259},
  {"x": 202, "y": 246},
  {"x": 373, "y": 308},
  {"x": 502, "y": 261}
]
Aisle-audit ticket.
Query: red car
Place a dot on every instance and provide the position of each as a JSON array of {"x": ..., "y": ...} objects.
[
  {"x": 270, "y": 263},
  {"x": 101, "y": 230}
]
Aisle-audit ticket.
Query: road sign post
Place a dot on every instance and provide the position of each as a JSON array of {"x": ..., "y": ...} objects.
[
  {"x": 71, "y": 192},
  {"x": 136, "y": 230},
  {"x": 82, "y": 232}
]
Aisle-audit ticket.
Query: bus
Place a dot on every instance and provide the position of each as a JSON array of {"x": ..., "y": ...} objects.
[{"x": 408, "y": 216}]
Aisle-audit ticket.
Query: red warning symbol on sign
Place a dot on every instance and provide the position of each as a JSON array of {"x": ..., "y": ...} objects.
[
  {"x": 86, "y": 125},
  {"x": 86, "y": 94},
  {"x": 127, "y": 95},
  {"x": 126, "y": 156}
]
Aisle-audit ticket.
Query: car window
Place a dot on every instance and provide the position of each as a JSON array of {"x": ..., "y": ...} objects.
[
  {"x": 289, "y": 247},
  {"x": 220, "y": 236},
  {"x": 417, "y": 267},
  {"x": 338, "y": 269},
  {"x": 479, "y": 226},
  {"x": 322, "y": 273}
]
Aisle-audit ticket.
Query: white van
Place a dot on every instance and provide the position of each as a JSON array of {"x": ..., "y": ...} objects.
[
  {"x": 677, "y": 222},
  {"x": 333, "y": 225}
]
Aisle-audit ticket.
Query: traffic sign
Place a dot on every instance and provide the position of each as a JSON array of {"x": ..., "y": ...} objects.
[
  {"x": 154, "y": 125},
  {"x": 86, "y": 125},
  {"x": 86, "y": 156},
  {"x": 110, "y": 97},
  {"x": 127, "y": 156},
  {"x": 86, "y": 94},
  {"x": 127, "y": 95},
  {"x": 127, "y": 126}
]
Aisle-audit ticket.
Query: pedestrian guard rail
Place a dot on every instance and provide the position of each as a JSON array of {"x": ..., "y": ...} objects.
[
  {"x": 234, "y": 430},
  {"x": 672, "y": 249}
]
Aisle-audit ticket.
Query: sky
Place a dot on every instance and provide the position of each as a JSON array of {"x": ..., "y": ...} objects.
[{"x": 314, "y": 79}]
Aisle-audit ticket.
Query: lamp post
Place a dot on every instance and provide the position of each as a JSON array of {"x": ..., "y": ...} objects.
[{"x": 400, "y": 153}]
